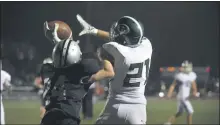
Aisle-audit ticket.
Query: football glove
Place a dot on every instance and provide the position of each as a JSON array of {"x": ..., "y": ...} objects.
[{"x": 87, "y": 28}]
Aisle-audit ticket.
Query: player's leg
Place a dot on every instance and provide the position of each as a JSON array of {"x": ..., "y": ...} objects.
[
  {"x": 180, "y": 109},
  {"x": 69, "y": 121},
  {"x": 2, "y": 114},
  {"x": 42, "y": 107},
  {"x": 189, "y": 110},
  {"x": 109, "y": 115},
  {"x": 133, "y": 113},
  {"x": 88, "y": 105},
  {"x": 53, "y": 117}
]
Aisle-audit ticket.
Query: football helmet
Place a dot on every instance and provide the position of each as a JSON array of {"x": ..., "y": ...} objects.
[
  {"x": 127, "y": 31},
  {"x": 66, "y": 53},
  {"x": 187, "y": 66}
]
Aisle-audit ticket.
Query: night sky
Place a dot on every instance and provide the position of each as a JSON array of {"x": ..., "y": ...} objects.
[{"x": 178, "y": 30}]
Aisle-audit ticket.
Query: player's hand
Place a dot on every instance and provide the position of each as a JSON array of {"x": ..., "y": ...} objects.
[
  {"x": 168, "y": 97},
  {"x": 196, "y": 95},
  {"x": 84, "y": 80},
  {"x": 92, "y": 78},
  {"x": 87, "y": 28}
]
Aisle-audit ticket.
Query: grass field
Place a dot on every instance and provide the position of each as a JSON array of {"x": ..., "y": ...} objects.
[{"x": 158, "y": 111}]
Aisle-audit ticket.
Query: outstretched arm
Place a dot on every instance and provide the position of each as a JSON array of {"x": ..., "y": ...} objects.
[
  {"x": 88, "y": 29},
  {"x": 103, "y": 34}
]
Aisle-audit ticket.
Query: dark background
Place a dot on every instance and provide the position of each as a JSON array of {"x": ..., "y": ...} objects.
[{"x": 177, "y": 30}]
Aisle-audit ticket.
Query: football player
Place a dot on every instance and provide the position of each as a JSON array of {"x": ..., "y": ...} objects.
[
  {"x": 5, "y": 83},
  {"x": 67, "y": 81},
  {"x": 126, "y": 58},
  {"x": 39, "y": 83},
  {"x": 186, "y": 79}
]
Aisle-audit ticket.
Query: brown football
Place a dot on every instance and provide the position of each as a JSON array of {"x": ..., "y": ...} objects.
[{"x": 63, "y": 32}]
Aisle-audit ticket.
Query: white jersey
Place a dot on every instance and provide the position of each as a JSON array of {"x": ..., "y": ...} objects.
[
  {"x": 185, "y": 82},
  {"x": 131, "y": 68},
  {"x": 5, "y": 76},
  {"x": 5, "y": 79}
]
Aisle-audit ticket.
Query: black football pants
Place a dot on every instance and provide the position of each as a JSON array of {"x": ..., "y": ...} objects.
[{"x": 57, "y": 117}]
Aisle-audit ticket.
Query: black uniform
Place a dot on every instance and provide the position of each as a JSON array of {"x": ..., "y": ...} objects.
[
  {"x": 64, "y": 92},
  {"x": 40, "y": 89}
]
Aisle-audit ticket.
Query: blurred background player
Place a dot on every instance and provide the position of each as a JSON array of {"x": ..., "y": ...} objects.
[
  {"x": 40, "y": 85},
  {"x": 129, "y": 52},
  {"x": 184, "y": 80},
  {"x": 5, "y": 84},
  {"x": 68, "y": 82}
]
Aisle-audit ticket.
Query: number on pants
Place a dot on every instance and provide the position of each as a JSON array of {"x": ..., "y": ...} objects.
[{"x": 139, "y": 67}]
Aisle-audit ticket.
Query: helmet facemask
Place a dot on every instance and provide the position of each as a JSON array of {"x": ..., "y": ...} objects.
[
  {"x": 187, "y": 67},
  {"x": 118, "y": 33}
]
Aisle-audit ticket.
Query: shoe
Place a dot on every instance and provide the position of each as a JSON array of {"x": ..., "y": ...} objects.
[
  {"x": 87, "y": 118},
  {"x": 167, "y": 123}
]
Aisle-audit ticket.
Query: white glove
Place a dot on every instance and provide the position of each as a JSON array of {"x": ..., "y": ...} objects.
[{"x": 87, "y": 28}]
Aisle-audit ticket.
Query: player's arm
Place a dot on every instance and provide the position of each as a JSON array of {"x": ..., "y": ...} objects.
[
  {"x": 88, "y": 29},
  {"x": 7, "y": 84},
  {"x": 42, "y": 111},
  {"x": 108, "y": 62},
  {"x": 106, "y": 72},
  {"x": 171, "y": 89},
  {"x": 194, "y": 88},
  {"x": 103, "y": 34}
]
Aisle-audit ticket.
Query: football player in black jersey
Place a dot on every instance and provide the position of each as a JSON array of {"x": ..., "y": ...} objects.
[
  {"x": 39, "y": 83},
  {"x": 67, "y": 81}
]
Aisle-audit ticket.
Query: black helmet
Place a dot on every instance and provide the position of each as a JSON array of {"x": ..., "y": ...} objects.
[{"x": 127, "y": 31}]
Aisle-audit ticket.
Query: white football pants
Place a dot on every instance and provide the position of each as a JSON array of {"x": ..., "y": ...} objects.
[
  {"x": 117, "y": 113},
  {"x": 2, "y": 122},
  {"x": 184, "y": 105}
]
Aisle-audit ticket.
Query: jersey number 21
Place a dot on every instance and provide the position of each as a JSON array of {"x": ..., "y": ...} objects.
[{"x": 138, "y": 66}]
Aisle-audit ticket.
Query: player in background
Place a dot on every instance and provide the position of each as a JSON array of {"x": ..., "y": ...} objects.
[
  {"x": 5, "y": 84},
  {"x": 185, "y": 80},
  {"x": 126, "y": 58},
  {"x": 39, "y": 83}
]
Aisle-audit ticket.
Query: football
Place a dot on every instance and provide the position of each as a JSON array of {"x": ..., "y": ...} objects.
[{"x": 63, "y": 32}]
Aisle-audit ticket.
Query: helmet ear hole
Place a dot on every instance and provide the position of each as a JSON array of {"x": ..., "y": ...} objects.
[{"x": 123, "y": 29}]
